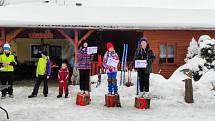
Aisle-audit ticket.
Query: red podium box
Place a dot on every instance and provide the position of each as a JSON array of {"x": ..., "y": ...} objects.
[
  {"x": 142, "y": 103},
  {"x": 82, "y": 99},
  {"x": 112, "y": 100}
]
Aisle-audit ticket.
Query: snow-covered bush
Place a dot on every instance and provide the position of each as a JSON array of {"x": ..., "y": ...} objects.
[
  {"x": 201, "y": 57},
  {"x": 192, "y": 50}
]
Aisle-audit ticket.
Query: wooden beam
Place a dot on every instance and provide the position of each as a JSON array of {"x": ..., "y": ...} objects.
[
  {"x": 62, "y": 32},
  {"x": 13, "y": 34},
  {"x": 85, "y": 36},
  {"x": 76, "y": 47},
  {"x": 2, "y": 36}
]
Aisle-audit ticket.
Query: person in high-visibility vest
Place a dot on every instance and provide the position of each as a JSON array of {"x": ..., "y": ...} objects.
[
  {"x": 43, "y": 73},
  {"x": 7, "y": 63}
]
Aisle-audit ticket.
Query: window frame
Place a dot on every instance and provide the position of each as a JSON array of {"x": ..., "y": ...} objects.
[
  {"x": 175, "y": 52},
  {"x": 55, "y": 46}
]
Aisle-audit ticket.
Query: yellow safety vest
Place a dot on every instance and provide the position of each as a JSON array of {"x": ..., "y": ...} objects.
[{"x": 10, "y": 58}]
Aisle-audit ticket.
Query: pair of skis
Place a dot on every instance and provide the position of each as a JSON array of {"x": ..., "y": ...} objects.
[
  {"x": 124, "y": 64},
  {"x": 138, "y": 83}
]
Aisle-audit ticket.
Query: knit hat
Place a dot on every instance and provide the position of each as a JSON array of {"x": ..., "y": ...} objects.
[
  {"x": 6, "y": 46},
  {"x": 109, "y": 45},
  {"x": 144, "y": 39}
]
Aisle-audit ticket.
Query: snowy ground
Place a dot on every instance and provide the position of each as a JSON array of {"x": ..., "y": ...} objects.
[{"x": 167, "y": 103}]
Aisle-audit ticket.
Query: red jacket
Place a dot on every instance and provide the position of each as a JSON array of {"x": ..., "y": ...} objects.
[{"x": 63, "y": 75}]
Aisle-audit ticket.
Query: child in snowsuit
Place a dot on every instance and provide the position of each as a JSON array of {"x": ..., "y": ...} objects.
[
  {"x": 144, "y": 53},
  {"x": 63, "y": 77},
  {"x": 111, "y": 70}
]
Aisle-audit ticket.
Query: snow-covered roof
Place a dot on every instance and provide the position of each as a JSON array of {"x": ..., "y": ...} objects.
[{"x": 50, "y": 15}]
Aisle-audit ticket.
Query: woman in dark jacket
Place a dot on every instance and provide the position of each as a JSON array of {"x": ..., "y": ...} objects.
[
  {"x": 84, "y": 66},
  {"x": 144, "y": 53}
]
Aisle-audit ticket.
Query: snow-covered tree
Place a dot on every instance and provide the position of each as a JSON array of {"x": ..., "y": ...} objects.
[
  {"x": 192, "y": 50},
  {"x": 201, "y": 60}
]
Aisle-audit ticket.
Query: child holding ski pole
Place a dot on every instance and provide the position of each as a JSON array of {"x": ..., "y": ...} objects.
[
  {"x": 110, "y": 63},
  {"x": 144, "y": 53},
  {"x": 63, "y": 77}
]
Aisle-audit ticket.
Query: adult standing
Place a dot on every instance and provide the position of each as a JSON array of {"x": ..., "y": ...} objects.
[
  {"x": 7, "y": 63},
  {"x": 43, "y": 73},
  {"x": 144, "y": 53}
]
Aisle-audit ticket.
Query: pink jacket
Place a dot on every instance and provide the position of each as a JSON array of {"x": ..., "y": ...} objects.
[{"x": 113, "y": 55}]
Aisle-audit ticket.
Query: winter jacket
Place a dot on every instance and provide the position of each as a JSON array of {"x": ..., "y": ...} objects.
[
  {"x": 48, "y": 67},
  {"x": 7, "y": 58},
  {"x": 42, "y": 66},
  {"x": 113, "y": 55},
  {"x": 84, "y": 60},
  {"x": 63, "y": 75},
  {"x": 148, "y": 55}
]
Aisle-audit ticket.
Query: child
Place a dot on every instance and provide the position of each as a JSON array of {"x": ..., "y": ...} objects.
[
  {"x": 144, "y": 53},
  {"x": 110, "y": 69},
  {"x": 63, "y": 76},
  {"x": 43, "y": 73},
  {"x": 84, "y": 66}
]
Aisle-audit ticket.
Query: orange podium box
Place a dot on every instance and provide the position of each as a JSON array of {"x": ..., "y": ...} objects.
[
  {"x": 112, "y": 100},
  {"x": 83, "y": 99},
  {"x": 142, "y": 103}
]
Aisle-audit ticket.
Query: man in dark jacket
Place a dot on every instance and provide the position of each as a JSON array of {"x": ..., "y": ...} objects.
[{"x": 144, "y": 53}]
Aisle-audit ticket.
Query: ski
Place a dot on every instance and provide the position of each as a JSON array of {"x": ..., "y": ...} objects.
[
  {"x": 122, "y": 63},
  {"x": 137, "y": 84},
  {"x": 125, "y": 64},
  {"x": 99, "y": 70},
  {"x": 99, "y": 77}
]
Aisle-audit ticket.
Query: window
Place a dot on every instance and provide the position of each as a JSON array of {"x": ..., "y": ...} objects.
[
  {"x": 167, "y": 53},
  {"x": 35, "y": 51},
  {"x": 55, "y": 52}
]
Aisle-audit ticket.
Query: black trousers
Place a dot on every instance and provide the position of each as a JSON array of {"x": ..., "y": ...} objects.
[
  {"x": 7, "y": 79},
  {"x": 84, "y": 79},
  {"x": 143, "y": 80},
  {"x": 41, "y": 78}
]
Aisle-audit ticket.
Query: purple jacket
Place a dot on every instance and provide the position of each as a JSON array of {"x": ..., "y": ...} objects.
[
  {"x": 48, "y": 67},
  {"x": 84, "y": 60}
]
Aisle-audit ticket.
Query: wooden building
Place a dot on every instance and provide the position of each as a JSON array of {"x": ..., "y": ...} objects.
[{"x": 60, "y": 30}]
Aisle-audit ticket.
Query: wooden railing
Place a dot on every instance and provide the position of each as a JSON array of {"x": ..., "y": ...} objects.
[{"x": 94, "y": 69}]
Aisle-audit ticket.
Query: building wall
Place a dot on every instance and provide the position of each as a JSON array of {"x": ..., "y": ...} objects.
[
  {"x": 180, "y": 38},
  {"x": 22, "y": 47}
]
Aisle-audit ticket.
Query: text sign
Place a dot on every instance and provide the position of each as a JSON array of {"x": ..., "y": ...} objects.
[
  {"x": 112, "y": 62},
  {"x": 92, "y": 50},
  {"x": 140, "y": 63}
]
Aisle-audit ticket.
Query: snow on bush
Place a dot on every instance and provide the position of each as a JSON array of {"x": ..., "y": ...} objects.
[
  {"x": 201, "y": 57},
  {"x": 192, "y": 50}
]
